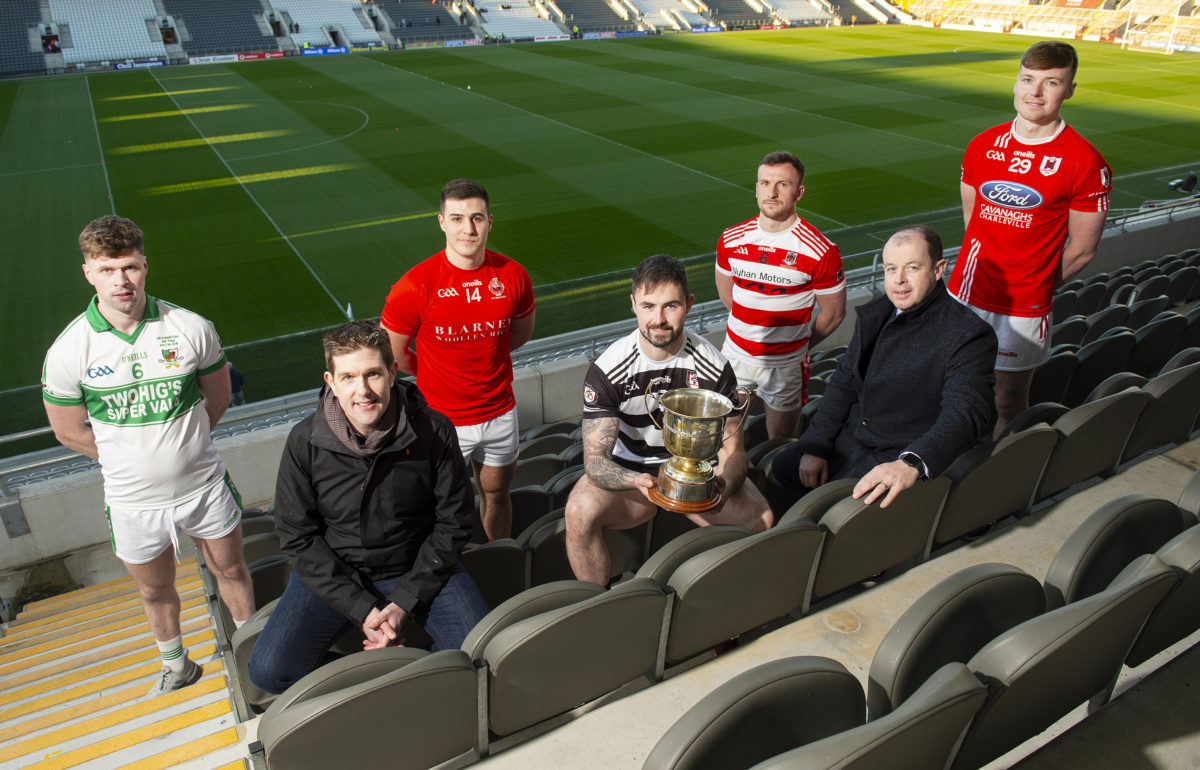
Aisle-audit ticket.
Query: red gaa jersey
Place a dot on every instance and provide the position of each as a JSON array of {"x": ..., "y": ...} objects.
[
  {"x": 1024, "y": 190},
  {"x": 776, "y": 280},
  {"x": 461, "y": 321}
]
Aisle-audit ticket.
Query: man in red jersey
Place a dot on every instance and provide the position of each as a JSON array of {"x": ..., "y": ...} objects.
[
  {"x": 770, "y": 272},
  {"x": 468, "y": 308},
  {"x": 1034, "y": 197}
]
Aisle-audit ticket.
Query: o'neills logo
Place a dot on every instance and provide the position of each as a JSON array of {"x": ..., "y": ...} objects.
[{"x": 1013, "y": 195}]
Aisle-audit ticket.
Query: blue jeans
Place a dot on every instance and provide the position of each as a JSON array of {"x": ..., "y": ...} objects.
[{"x": 302, "y": 628}]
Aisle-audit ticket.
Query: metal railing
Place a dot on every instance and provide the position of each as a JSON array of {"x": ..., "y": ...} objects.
[{"x": 589, "y": 342}]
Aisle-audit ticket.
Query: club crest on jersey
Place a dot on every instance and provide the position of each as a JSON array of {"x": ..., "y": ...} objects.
[
  {"x": 693, "y": 380},
  {"x": 1049, "y": 165},
  {"x": 589, "y": 394},
  {"x": 171, "y": 358},
  {"x": 496, "y": 287},
  {"x": 790, "y": 258}
]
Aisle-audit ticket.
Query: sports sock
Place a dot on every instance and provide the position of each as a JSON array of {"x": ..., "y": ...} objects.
[
  {"x": 238, "y": 623},
  {"x": 173, "y": 654}
]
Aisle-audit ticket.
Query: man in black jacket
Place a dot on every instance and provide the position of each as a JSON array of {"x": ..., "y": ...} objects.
[
  {"x": 373, "y": 504},
  {"x": 912, "y": 392}
]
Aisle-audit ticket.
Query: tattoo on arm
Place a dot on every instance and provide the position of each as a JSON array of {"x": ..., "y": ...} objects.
[{"x": 599, "y": 437}]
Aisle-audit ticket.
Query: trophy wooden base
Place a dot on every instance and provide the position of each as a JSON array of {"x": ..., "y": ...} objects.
[{"x": 681, "y": 506}]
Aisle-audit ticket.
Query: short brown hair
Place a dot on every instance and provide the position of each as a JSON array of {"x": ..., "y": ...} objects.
[
  {"x": 464, "y": 189},
  {"x": 110, "y": 236},
  {"x": 357, "y": 335},
  {"x": 1049, "y": 55},
  {"x": 782, "y": 157},
  {"x": 660, "y": 269}
]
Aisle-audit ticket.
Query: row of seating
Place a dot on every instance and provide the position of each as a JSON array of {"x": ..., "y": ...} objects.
[
  {"x": 983, "y": 661},
  {"x": 1176, "y": 277},
  {"x": 220, "y": 26},
  {"x": 520, "y": 665}
]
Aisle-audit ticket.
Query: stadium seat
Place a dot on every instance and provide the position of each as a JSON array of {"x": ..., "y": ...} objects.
[
  {"x": 1152, "y": 286},
  {"x": 1106, "y": 543},
  {"x": 529, "y": 503},
  {"x": 832, "y": 352},
  {"x": 761, "y": 713},
  {"x": 430, "y": 700},
  {"x": 1115, "y": 384},
  {"x": 816, "y": 503},
  {"x": 924, "y": 732},
  {"x": 242, "y": 645},
  {"x": 260, "y": 546},
  {"x": 536, "y": 470},
  {"x": 1070, "y": 331},
  {"x": 1190, "y": 338},
  {"x": 823, "y": 365},
  {"x": 498, "y": 568},
  {"x": 754, "y": 430},
  {"x": 665, "y": 527},
  {"x": 1046, "y": 666},
  {"x": 663, "y": 562},
  {"x": 547, "y": 546},
  {"x": 738, "y": 586},
  {"x": 1102, "y": 320},
  {"x": 269, "y": 576},
  {"x": 1050, "y": 380},
  {"x": 1184, "y": 357},
  {"x": 1170, "y": 414},
  {"x": 1178, "y": 615},
  {"x": 1143, "y": 310},
  {"x": 572, "y": 456},
  {"x": 950, "y": 622},
  {"x": 1154, "y": 343},
  {"x": 1063, "y": 305},
  {"x": 1113, "y": 285},
  {"x": 562, "y": 426},
  {"x": 1098, "y": 360},
  {"x": 1189, "y": 498},
  {"x": 863, "y": 540},
  {"x": 1091, "y": 439},
  {"x": 1184, "y": 285},
  {"x": 550, "y": 662},
  {"x": 993, "y": 481},
  {"x": 755, "y": 454},
  {"x": 258, "y": 525},
  {"x": 559, "y": 485},
  {"x": 547, "y": 443},
  {"x": 1088, "y": 299}
]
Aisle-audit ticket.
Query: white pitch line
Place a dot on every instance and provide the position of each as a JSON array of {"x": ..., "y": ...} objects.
[
  {"x": 249, "y": 194},
  {"x": 87, "y": 86}
]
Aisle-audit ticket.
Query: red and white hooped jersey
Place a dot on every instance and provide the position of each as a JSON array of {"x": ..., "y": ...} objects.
[
  {"x": 776, "y": 280},
  {"x": 1024, "y": 191},
  {"x": 461, "y": 321}
]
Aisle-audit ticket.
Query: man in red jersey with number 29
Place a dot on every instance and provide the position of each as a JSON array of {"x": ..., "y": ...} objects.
[
  {"x": 467, "y": 308},
  {"x": 1034, "y": 197}
]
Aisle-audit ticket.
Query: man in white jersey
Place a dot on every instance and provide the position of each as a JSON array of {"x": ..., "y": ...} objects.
[
  {"x": 151, "y": 379},
  {"x": 771, "y": 270},
  {"x": 622, "y": 448},
  {"x": 1034, "y": 198}
]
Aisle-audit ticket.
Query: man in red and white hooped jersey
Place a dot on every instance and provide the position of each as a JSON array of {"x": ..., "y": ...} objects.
[
  {"x": 771, "y": 271},
  {"x": 1034, "y": 197}
]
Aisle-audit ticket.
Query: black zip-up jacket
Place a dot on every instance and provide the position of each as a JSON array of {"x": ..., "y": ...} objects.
[
  {"x": 920, "y": 382},
  {"x": 347, "y": 520}
]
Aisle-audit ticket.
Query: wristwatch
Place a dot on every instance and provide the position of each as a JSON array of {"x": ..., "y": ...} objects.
[{"x": 913, "y": 461}]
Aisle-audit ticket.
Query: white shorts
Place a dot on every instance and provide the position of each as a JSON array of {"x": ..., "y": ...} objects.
[
  {"x": 783, "y": 388},
  {"x": 141, "y": 536},
  {"x": 493, "y": 442},
  {"x": 1024, "y": 342}
]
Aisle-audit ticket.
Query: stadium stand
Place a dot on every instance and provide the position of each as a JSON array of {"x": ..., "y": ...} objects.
[
  {"x": 669, "y": 14},
  {"x": 517, "y": 21},
  {"x": 800, "y": 12},
  {"x": 105, "y": 31},
  {"x": 315, "y": 17},
  {"x": 419, "y": 20},
  {"x": 220, "y": 26},
  {"x": 739, "y": 13},
  {"x": 15, "y": 56},
  {"x": 593, "y": 15}
]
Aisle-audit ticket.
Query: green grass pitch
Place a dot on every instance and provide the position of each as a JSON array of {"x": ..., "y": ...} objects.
[{"x": 274, "y": 194}]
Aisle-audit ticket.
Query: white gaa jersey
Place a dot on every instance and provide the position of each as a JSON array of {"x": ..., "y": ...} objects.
[{"x": 142, "y": 395}]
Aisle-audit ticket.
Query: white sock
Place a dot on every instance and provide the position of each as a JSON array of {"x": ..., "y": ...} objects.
[
  {"x": 173, "y": 654},
  {"x": 239, "y": 623}
]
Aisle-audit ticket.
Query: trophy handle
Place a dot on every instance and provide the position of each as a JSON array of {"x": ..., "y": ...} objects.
[
  {"x": 647, "y": 394},
  {"x": 749, "y": 392}
]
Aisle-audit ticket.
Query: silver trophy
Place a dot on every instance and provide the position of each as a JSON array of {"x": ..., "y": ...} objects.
[{"x": 693, "y": 429}]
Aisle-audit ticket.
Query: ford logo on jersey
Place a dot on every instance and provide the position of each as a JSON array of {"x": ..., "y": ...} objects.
[{"x": 1012, "y": 195}]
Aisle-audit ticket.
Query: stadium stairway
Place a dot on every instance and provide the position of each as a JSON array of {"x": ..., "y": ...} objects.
[{"x": 74, "y": 673}]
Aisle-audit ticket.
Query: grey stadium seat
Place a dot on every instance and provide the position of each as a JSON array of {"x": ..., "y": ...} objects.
[
  {"x": 1170, "y": 415},
  {"x": 1179, "y": 613},
  {"x": 761, "y": 713},
  {"x": 1091, "y": 439},
  {"x": 922, "y": 733}
]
